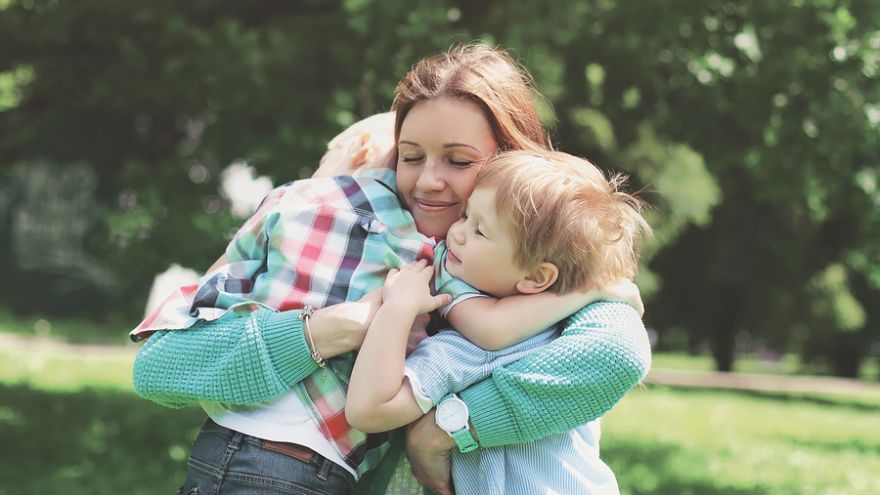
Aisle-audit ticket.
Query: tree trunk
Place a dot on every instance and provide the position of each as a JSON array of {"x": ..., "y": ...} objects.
[
  {"x": 722, "y": 346},
  {"x": 723, "y": 334}
]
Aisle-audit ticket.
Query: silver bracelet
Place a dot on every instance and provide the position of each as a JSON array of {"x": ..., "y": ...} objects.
[{"x": 307, "y": 313}]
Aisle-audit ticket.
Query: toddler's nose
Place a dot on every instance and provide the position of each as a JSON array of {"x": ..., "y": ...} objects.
[{"x": 456, "y": 232}]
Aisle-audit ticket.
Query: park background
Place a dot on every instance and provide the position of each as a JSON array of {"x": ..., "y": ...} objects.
[{"x": 136, "y": 136}]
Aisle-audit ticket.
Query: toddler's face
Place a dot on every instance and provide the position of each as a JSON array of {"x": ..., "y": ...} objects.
[{"x": 481, "y": 248}]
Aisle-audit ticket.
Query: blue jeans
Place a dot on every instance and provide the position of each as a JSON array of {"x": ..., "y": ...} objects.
[{"x": 226, "y": 462}]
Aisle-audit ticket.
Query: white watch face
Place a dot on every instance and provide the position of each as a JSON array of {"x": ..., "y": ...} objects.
[{"x": 452, "y": 415}]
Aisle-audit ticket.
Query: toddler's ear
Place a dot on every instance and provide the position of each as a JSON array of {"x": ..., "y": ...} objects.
[{"x": 539, "y": 280}]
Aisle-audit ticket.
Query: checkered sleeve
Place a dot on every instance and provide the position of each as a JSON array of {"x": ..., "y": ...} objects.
[
  {"x": 210, "y": 298},
  {"x": 235, "y": 284}
]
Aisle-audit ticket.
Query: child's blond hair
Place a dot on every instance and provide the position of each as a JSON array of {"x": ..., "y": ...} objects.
[{"x": 564, "y": 211}]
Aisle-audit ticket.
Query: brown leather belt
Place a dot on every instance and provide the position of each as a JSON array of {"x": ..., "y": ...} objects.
[{"x": 296, "y": 451}]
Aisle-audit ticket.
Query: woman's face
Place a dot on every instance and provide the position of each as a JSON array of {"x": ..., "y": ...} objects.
[{"x": 442, "y": 145}]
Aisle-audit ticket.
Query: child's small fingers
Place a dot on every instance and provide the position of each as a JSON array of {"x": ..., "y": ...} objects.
[
  {"x": 359, "y": 158},
  {"x": 415, "y": 266}
]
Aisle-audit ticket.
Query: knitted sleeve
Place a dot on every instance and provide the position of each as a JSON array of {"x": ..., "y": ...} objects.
[
  {"x": 240, "y": 358},
  {"x": 602, "y": 354}
]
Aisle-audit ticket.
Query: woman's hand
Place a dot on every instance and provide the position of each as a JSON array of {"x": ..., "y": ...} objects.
[
  {"x": 428, "y": 449},
  {"x": 341, "y": 328}
]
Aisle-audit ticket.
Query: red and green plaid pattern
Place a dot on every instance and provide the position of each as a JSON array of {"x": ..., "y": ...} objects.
[{"x": 319, "y": 242}]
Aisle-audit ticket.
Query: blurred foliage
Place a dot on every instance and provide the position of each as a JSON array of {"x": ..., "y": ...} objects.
[{"x": 752, "y": 127}]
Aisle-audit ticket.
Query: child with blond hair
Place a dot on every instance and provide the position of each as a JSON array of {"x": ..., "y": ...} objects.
[{"x": 540, "y": 226}]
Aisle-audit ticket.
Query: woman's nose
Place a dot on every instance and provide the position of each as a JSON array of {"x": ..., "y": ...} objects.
[{"x": 431, "y": 178}]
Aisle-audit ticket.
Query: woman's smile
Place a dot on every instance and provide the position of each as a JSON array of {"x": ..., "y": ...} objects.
[{"x": 429, "y": 205}]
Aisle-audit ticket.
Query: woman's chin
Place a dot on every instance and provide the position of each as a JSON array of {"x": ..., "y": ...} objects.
[{"x": 433, "y": 227}]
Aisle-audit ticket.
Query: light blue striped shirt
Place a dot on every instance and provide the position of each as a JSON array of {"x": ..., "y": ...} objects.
[{"x": 564, "y": 463}]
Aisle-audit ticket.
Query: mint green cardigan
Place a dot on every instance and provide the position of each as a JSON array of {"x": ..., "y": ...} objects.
[{"x": 603, "y": 353}]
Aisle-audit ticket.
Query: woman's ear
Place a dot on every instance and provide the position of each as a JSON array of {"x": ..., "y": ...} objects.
[{"x": 539, "y": 280}]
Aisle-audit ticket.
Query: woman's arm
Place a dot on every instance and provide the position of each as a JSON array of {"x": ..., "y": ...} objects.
[
  {"x": 602, "y": 353},
  {"x": 221, "y": 361},
  {"x": 246, "y": 358}
]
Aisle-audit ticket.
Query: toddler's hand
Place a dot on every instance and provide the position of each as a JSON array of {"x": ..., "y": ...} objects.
[
  {"x": 365, "y": 145},
  {"x": 408, "y": 288}
]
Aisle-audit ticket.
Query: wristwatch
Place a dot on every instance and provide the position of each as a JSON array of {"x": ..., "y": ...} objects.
[{"x": 452, "y": 417}]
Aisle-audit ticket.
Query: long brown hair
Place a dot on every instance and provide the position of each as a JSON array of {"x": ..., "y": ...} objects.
[{"x": 486, "y": 76}]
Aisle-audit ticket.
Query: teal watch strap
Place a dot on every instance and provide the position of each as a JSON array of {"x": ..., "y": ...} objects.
[
  {"x": 464, "y": 440},
  {"x": 452, "y": 417}
]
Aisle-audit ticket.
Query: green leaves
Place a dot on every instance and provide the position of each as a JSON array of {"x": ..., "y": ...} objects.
[
  {"x": 835, "y": 302},
  {"x": 752, "y": 127},
  {"x": 13, "y": 84}
]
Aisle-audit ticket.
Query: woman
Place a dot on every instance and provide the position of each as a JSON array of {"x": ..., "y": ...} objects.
[{"x": 452, "y": 112}]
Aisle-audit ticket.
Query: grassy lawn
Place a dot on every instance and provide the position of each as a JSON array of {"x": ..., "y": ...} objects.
[
  {"x": 71, "y": 424},
  {"x": 662, "y": 441},
  {"x": 789, "y": 364},
  {"x": 111, "y": 331}
]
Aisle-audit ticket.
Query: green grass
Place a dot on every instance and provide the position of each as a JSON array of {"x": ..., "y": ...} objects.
[
  {"x": 47, "y": 368},
  {"x": 789, "y": 364},
  {"x": 92, "y": 441},
  {"x": 71, "y": 424},
  {"x": 665, "y": 441},
  {"x": 113, "y": 330}
]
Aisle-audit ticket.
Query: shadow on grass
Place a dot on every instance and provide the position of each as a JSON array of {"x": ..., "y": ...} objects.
[
  {"x": 653, "y": 468},
  {"x": 858, "y": 404},
  {"x": 91, "y": 442}
]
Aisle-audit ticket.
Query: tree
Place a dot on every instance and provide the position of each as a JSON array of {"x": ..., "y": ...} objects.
[{"x": 752, "y": 127}]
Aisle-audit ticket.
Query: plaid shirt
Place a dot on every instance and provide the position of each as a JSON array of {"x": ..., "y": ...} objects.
[{"x": 319, "y": 242}]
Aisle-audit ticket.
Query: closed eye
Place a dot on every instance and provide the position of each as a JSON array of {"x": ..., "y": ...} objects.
[{"x": 410, "y": 159}]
